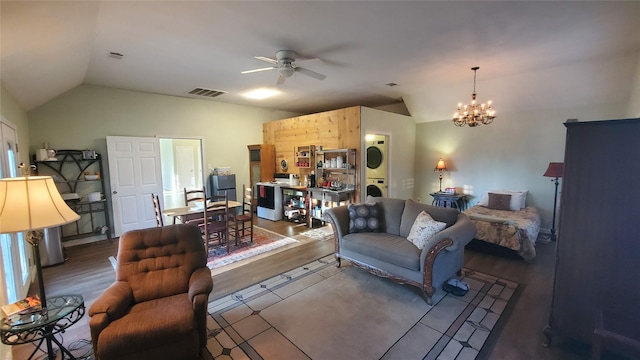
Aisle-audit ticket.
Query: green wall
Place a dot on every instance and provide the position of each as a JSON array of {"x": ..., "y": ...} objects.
[
  {"x": 82, "y": 117},
  {"x": 13, "y": 112},
  {"x": 511, "y": 153}
]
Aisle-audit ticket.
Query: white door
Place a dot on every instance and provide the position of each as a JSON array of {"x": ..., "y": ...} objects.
[
  {"x": 13, "y": 248},
  {"x": 186, "y": 167},
  {"x": 135, "y": 173}
]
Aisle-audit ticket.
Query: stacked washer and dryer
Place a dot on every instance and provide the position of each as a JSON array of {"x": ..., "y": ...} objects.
[{"x": 376, "y": 172}]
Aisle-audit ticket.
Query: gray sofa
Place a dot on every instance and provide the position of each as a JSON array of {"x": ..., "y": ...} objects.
[{"x": 390, "y": 254}]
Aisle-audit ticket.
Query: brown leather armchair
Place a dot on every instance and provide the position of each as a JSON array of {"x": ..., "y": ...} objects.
[{"x": 157, "y": 307}]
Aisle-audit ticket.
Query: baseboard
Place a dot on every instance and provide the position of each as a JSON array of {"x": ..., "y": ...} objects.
[{"x": 86, "y": 240}]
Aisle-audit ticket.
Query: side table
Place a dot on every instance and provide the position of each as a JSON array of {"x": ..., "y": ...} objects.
[
  {"x": 456, "y": 201},
  {"x": 61, "y": 313}
]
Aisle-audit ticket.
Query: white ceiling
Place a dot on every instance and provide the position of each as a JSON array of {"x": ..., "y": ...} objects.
[{"x": 531, "y": 54}]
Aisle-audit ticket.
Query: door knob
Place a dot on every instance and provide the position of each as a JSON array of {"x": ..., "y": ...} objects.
[{"x": 114, "y": 192}]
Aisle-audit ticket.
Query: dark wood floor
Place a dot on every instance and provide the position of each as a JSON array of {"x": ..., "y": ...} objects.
[{"x": 88, "y": 272}]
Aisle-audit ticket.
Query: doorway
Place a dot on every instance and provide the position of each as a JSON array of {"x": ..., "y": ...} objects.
[
  {"x": 181, "y": 161},
  {"x": 139, "y": 166}
]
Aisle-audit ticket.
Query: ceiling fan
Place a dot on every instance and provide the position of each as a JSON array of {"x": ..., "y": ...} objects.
[{"x": 285, "y": 64}]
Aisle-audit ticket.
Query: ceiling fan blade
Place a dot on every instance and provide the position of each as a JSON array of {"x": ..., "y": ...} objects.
[
  {"x": 256, "y": 70},
  {"x": 281, "y": 80},
  {"x": 313, "y": 74},
  {"x": 266, "y": 59}
]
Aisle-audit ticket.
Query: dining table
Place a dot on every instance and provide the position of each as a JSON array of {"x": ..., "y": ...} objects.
[{"x": 188, "y": 213}]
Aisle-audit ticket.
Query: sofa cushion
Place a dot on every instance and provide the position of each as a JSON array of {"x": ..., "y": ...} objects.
[
  {"x": 364, "y": 218},
  {"x": 412, "y": 209},
  {"x": 385, "y": 247},
  {"x": 423, "y": 229},
  {"x": 144, "y": 328},
  {"x": 391, "y": 210}
]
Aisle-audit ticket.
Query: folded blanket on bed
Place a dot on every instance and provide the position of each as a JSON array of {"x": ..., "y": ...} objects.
[{"x": 490, "y": 218}]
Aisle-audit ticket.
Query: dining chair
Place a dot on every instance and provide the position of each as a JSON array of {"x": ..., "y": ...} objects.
[
  {"x": 243, "y": 219},
  {"x": 217, "y": 226},
  {"x": 194, "y": 195},
  {"x": 190, "y": 197},
  {"x": 157, "y": 210}
]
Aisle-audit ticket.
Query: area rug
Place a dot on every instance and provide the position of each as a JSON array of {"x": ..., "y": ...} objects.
[
  {"x": 318, "y": 311},
  {"x": 263, "y": 241},
  {"x": 322, "y": 234}
]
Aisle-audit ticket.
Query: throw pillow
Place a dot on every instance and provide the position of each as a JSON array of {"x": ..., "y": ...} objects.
[
  {"x": 518, "y": 198},
  {"x": 499, "y": 201},
  {"x": 423, "y": 229},
  {"x": 364, "y": 218}
]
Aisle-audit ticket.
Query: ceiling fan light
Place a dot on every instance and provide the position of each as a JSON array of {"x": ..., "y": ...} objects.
[
  {"x": 286, "y": 71},
  {"x": 261, "y": 93}
]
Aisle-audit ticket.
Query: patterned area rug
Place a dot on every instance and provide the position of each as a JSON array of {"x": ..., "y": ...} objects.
[
  {"x": 318, "y": 311},
  {"x": 263, "y": 241},
  {"x": 323, "y": 234}
]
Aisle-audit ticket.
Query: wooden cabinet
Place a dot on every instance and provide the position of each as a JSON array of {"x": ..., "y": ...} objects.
[
  {"x": 305, "y": 156},
  {"x": 77, "y": 176},
  {"x": 598, "y": 245},
  {"x": 262, "y": 163}
]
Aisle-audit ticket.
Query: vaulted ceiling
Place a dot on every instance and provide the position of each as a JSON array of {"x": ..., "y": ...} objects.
[{"x": 531, "y": 54}]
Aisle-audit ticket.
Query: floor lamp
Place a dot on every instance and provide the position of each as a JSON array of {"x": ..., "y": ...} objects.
[
  {"x": 555, "y": 170},
  {"x": 440, "y": 167},
  {"x": 33, "y": 203}
]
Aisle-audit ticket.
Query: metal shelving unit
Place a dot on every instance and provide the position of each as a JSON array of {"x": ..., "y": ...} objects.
[
  {"x": 68, "y": 172},
  {"x": 336, "y": 181}
]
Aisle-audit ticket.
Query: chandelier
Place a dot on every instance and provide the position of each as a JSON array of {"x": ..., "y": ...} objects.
[{"x": 474, "y": 114}]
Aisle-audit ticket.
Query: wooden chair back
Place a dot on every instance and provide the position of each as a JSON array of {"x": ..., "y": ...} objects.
[
  {"x": 243, "y": 219},
  {"x": 194, "y": 195},
  {"x": 157, "y": 210}
]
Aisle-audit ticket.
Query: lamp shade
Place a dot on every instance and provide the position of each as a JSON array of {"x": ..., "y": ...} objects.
[
  {"x": 555, "y": 169},
  {"x": 440, "y": 166},
  {"x": 32, "y": 203}
]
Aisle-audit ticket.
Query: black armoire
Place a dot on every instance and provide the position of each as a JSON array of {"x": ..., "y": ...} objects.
[{"x": 598, "y": 247}]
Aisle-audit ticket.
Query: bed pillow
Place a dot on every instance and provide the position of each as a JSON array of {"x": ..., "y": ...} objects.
[
  {"x": 423, "y": 229},
  {"x": 518, "y": 198},
  {"x": 364, "y": 218},
  {"x": 499, "y": 201}
]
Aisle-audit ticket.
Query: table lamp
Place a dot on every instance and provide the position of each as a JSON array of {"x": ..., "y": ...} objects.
[
  {"x": 440, "y": 167},
  {"x": 33, "y": 203},
  {"x": 555, "y": 170}
]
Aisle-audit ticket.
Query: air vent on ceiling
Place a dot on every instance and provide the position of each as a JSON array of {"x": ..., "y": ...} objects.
[{"x": 206, "y": 92}]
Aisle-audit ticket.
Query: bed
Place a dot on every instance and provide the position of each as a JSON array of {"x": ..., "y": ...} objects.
[{"x": 513, "y": 229}]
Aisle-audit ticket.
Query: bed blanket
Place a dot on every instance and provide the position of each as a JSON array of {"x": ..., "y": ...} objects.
[{"x": 516, "y": 230}]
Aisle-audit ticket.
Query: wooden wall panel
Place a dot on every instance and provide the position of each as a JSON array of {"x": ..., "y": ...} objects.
[{"x": 335, "y": 129}]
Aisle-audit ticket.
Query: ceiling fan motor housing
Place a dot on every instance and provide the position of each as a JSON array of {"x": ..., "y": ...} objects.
[{"x": 286, "y": 55}]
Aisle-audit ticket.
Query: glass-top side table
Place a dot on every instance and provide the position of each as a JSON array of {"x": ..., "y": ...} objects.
[{"x": 61, "y": 312}]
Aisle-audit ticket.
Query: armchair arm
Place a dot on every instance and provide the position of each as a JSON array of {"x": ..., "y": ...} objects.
[
  {"x": 200, "y": 286},
  {"x": 200, "y": 283},
  {"x": 114, "y": 301},
  {"x": 460, "y": 233},
  {"x": 339, "y": 219},
  {"x": 110, "y": 305}
]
